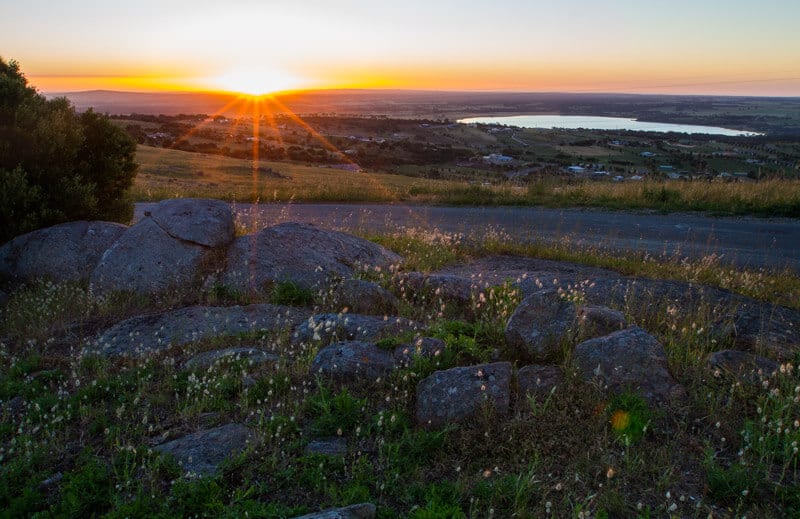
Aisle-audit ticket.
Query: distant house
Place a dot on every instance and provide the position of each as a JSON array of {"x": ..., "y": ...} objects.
[
  {"x": 647, "y": 154},
  {"x": 676, "y": 176},
  {"x": 576, "y": 169},
  {"x": 618, "y": 178},
  {"x": 497, "y": 159},
  {"x": 665, "y": 167},
  {"x": 637, "y": 177}
]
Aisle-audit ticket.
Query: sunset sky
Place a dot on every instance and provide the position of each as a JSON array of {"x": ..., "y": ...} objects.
[{"x": 670, "y": 46}]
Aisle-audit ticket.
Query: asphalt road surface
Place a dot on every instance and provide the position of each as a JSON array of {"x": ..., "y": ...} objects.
[{"x": 743, "y": 241}]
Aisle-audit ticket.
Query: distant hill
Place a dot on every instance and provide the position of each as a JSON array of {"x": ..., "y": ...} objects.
[{"x": 778, "y": 116}]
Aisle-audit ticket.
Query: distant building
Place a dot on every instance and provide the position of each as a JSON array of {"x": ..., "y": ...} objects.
[
  {"x": 647, "y": 154},
  {"x": 497, "y": 159},
  {"x": 576, "y": 169}
]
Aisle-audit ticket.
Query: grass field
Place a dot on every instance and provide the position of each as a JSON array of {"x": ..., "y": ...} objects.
[{"x": 168, "y": 173}]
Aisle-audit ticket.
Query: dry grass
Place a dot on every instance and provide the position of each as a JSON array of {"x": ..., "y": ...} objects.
[{"x": 170, "y": 173}]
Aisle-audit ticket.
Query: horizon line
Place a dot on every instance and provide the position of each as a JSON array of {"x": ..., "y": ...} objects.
[{"x": 301, "y": 91}]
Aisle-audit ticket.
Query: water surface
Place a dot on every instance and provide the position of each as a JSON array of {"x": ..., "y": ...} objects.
[{"x": 592, "y": 122}]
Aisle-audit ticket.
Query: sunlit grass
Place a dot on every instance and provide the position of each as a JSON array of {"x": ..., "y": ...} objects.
[{"x": 168, "y": 173}]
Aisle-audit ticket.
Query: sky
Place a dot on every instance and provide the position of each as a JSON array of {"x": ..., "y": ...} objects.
[{"x": 655, "y": 46}]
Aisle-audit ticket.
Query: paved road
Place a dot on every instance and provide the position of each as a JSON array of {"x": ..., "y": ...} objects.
[{"x": 752, "y": 242}]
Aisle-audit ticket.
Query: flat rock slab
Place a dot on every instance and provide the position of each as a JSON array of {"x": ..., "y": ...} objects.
[
  {"x": 327, "y": 328},
  {"x": 155, "y": 332},
  {"x": 352, "y": 361},
  {"x": 741, "y": 363},
  {"x": 209, "y": 358},
  {"x": 66, "y": 252},
  {"x": 147, "y": 260},
  {"x": 530, "y": 274},
  {"x": 630, "y": 359},
  {"x": 201, "y": 453},
  {"x": 450, "y": 288},
  {"x": 538, "y": 380},
  {"x": 458, "y": 394},
  {"x": 359, "y": 511},
  {"x": 364, "y": 297},
  {"x": 198, "y": 220},
  {"x": 301, "y": 253},
  {"x": 753, "y": 325}
]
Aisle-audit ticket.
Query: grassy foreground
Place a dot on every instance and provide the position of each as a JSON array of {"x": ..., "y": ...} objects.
[
  {"x": 166, "y": 173},
  {"x": 77, "y": 441}
]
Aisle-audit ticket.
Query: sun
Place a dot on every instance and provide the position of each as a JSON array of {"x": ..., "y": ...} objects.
[{"x": 256, "y": 80}]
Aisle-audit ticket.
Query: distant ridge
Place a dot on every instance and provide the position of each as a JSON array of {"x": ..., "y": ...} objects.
[{"x": 708, "y": 110}]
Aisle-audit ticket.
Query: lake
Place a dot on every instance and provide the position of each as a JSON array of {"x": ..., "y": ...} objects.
[{"x": 591, "y": 122}]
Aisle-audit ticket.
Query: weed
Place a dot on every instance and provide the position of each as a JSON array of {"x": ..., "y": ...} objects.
[{"x": 290, "y": 293}]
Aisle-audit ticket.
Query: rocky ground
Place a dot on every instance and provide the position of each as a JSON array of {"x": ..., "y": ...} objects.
[{"x": 174, "y": 368}]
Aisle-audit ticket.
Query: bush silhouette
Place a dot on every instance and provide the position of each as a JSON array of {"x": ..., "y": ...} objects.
[{"x": 57, "y": 165}]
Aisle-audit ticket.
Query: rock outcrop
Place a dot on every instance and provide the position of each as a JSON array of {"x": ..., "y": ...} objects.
[
  {"x": 165, "y": 251},
  {"x": 359, "y": 511},
  {"x": 301, "y": 253},
  {"x": 65, "y": 252},
  {"x": 155, "y": 332},
  {"x": 457, "y": 394},
  {"x": 628, "y": 360},
  {"x": 327, "y": 328},
  {"x": 538, "y": 380},
  {"x": 196, "y": 220},
  {"x": 352, "y": 361},
  {"x": 202, "y": 452},
  {"x": 207, "y": 359},
  {"x": 363, "y": 297},
  {"x": 742, "y": 364},
  {"x": 540, "y": 325}
]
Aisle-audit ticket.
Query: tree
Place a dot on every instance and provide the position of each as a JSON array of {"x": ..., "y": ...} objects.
[{"x": 57, "y": 165}]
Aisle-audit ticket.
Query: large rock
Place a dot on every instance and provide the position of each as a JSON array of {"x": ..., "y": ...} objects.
[
  {"x": 425, "y": 347},
  {"x": 201, "y": 221},
  {"x": 147, "y": 260},
  {"x": 201, "y": 453},
  {"x": 66, "y": 252},
  {"x": 539, "y": 380},
  {"x": 300, "y": 253},
  {"x": 359, "y": 511},
  {"x": 762, "y": 328},
  {"x": 143, "y": 334},
  {"x": 595, "y": 321},
  {"x": 742, "y": 364},
  {"x": 457, "y": 394},
  {"x": 449, "y": 288},
  {"x": 364, "y": 297},
  {"x": 208, "y": 359},
  {"x": 327, "y": 328},
  {"x": 629, "y": 359},
  {"x": 352, "y": 360},
  {"x": 540, "y": 324}
]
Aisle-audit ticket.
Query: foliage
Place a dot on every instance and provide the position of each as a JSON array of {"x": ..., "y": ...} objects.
[
  {"x": 629, "y": 417},
  {"x": 290, "y": 293},
  {"x": 57, "y": 165}
]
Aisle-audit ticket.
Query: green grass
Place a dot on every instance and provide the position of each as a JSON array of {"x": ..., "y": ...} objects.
[{"x": 730, "y": 448}]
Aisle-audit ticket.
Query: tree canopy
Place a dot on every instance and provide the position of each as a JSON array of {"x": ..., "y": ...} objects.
[{"x": 58, "y": 165}]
